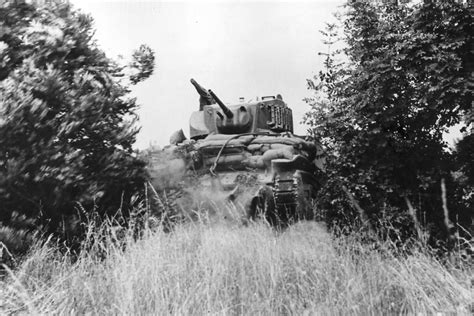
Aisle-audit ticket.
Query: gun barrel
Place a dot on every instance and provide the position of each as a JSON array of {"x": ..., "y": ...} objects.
[
  {"x": 195, "y": 84},
  {"x": 221, "y": 104},
  {"x": 199, "y": 88},
  {"x": 205, "y": 97}
]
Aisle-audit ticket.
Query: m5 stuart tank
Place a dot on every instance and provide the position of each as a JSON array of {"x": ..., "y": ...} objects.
[{"x": 245, "y": 154}]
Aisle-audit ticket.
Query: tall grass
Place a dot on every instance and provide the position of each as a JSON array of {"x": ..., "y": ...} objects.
[{"x": 225, "y": 268}]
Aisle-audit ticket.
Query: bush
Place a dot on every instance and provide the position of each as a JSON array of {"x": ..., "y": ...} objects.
[
  {"x": 382, "y": 113},
  {"x": 67, "y": 123}
]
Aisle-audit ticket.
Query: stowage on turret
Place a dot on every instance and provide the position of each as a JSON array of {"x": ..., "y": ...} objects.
[{"x": 246, "y": 151}]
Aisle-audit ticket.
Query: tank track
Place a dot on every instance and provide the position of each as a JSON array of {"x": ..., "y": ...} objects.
[{"x": 287, "y": 198}]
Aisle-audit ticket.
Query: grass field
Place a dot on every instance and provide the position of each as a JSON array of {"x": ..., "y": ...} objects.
[{"x": 225, "y": 268}]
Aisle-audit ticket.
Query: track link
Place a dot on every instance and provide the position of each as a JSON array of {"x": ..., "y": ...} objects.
[{"x": 287, "y": 198}]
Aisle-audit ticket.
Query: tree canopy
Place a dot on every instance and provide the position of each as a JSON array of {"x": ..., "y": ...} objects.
[
  {"x": 405, "y": 77},
  {"x": 67, "y": 122}
]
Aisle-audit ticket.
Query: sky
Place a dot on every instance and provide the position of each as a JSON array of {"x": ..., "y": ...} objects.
[{"x": 236, "y": 48}]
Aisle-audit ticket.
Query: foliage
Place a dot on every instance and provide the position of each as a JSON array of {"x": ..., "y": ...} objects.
[
  {"x": 465, "y": 174},
  {"x": 143, "y": 62},
  {"x": 223, "y": 268},
  {"x": 67, "y": 123},
  {"x": 382, "y": 114}
]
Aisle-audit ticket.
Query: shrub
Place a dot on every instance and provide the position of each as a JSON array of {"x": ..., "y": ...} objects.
[{"x": 67, "y": 122}]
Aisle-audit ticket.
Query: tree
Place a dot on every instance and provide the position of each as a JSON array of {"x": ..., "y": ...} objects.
[
  {"x": 67, "y": 123},
  {"x": 406, "y": 80},
  {"x": 464, "y": 174}
]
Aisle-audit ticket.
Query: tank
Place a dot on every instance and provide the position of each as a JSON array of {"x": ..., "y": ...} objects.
[{"x": 244, "y": 154}]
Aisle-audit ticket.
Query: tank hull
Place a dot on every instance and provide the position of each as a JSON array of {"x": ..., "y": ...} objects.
[{"x": 262, "y": 175}]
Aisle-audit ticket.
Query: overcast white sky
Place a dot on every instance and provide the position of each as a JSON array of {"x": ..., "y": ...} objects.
[{"x": 236, "y": 48}]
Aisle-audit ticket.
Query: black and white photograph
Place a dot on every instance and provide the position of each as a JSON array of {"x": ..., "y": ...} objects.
[{"x": 236, "y": 157}]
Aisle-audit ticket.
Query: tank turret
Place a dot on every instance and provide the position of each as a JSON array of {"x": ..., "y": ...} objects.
[{"x": 270, "y": 114}]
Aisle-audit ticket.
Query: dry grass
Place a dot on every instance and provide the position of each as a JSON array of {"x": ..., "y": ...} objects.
[{"x": 224, "y": 268}]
